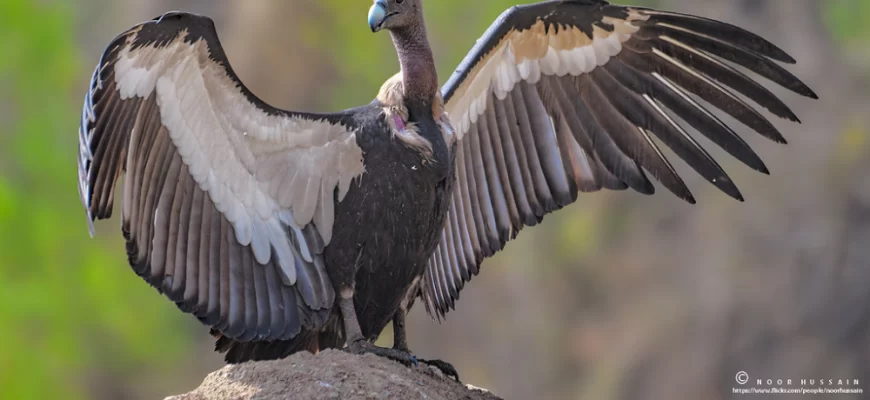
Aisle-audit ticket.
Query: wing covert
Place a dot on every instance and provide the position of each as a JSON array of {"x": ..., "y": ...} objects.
[{"x": 563, "y": 97}]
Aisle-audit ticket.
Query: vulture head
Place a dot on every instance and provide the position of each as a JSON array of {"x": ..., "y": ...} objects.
[{"x": 393, "y": 14}]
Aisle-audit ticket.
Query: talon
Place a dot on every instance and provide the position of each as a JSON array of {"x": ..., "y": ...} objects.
[
  {"x": 446, "y": 368},
  {"x": 403, "y": 357}
]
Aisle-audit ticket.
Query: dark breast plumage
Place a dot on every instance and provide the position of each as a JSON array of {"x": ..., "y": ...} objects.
[{"x": 391, "y": 220}]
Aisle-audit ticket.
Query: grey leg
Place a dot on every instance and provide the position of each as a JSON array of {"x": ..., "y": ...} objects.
[
  {"x": 400, "y": 342},
  {"x": 400, "y": 338},
  {"x": 357, "y": 343}
]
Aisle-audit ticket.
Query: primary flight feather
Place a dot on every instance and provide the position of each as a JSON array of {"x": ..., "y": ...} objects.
[{"x": 286, "y": 231}]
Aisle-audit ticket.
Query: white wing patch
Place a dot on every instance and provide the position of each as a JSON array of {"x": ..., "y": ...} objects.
[
  {"x": 528, "y": 54},
  {"x": 261, "y": 171}
]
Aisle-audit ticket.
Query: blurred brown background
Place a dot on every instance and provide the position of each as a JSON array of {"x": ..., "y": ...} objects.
[{"x": 620, "y": 296}]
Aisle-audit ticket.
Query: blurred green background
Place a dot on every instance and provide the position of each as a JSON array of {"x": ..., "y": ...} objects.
[{"x": 620, "y": 296}]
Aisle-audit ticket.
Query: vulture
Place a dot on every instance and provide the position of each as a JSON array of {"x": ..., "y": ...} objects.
[{"x": 285, "y": 231}]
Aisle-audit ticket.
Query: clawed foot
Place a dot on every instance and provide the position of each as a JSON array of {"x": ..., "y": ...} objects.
[
  {"x": 364, "y": 346},
  {"x": 402, "y": 356},
  {"x": 446, "y": 368}
]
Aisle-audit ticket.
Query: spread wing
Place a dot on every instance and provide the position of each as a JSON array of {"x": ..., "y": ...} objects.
[
  {"x": 564, "y": 97},
  {"x": 227, "y": 202}
]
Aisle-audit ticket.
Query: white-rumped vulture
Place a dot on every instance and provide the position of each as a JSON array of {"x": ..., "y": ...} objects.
[{"x": 286, "y": 231}]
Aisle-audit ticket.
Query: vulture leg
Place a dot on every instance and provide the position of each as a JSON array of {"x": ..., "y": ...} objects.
[
  {"x": 357, "y": 343},
  {"x": 400, "y": 340}
]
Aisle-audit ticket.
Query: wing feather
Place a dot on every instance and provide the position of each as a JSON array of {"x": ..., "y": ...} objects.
[
  {"x": 492, "y": 175},
  {"x": 557, "y": 183},
  {"x": 192, "y": 247},
  {"x": 529, "y": 167},
  {"x": 225, "y": 277},
  {"x": 562, "y": 97},
  {"x": 618, "y": 170},
  {"x": 215, "y": 271},
  {"x": 623, "y": 132},
  {"x": 185, "y": 221},
  {"x": 474, "y": 187},
  {"x": 263, "y": 306},
  {"x": 725, "y": 74},
  {"x": 162, "y": 221},
  {"x": 753, "y": 61},
  {"x": 502, "y": 161},
  {"x": 203, "y": 261},
  {"x": 641, "y": 114},
  {"x": 175, "y": 228},
  {"x": 513, "y": 165},
  {"x": 236, "y": 297},
  {"x": 734, "y": 35},
  {"x": 462, "y": 197},
  {"x": 276, "y": 302},
  {"x": 536, "y": 169},
  {"x": 460, "y": 243},
  {"x": 658, "y": 63},
  {"x": 252, "y": 314},
  {"x": 693, "y": 113},
  {"x": 157, "y": 162},
  {"x": 489, "y": 208}
]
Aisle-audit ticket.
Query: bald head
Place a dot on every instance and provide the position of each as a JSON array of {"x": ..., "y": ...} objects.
[{"x": 395, "y": 14}]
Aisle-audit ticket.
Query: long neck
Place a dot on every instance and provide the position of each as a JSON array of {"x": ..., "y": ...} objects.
[{"x": 420, "y": 79}]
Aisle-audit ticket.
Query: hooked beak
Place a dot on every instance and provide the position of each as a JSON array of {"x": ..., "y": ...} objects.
[{"x": 377, "y": 15}]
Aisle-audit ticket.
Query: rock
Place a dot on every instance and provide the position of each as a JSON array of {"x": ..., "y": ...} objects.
[{"x": 330, "y": 374}]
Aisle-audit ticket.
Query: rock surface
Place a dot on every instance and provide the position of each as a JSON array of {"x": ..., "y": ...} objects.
[{"x": 331, "y": 374}]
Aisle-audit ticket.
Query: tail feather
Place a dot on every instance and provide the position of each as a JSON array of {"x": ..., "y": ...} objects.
[{"x": 238, "y": 352}]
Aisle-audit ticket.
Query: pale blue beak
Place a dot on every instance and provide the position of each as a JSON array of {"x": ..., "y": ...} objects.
[{"x": 377, "y": 15}]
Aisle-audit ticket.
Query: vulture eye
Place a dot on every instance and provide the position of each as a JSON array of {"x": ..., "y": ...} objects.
[{"x": 400, "y": 1}]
